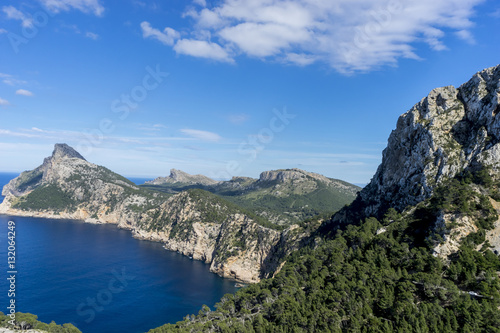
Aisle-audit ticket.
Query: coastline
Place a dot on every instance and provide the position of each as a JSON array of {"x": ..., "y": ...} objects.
[{"x": 157, "y": 237}]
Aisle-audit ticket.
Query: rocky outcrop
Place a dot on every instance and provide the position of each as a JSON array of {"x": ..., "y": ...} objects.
[
  {"x": 464, "y": 225},
  {"x": 297, "y": 176},
  {"x": 447, "y": 132},
  {"x": 493, "y": 236},
  {"x": 178, "y": 176}
]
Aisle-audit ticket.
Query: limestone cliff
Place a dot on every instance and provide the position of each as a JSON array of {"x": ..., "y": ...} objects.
[
  {"x": 450, "y": 134},
  {"x": 447, "y": 132}
]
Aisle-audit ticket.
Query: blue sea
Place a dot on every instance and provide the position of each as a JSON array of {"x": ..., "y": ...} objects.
[{"x": 99, "y": 278}]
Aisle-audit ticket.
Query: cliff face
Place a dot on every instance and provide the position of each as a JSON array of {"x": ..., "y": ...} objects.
[
  {"x": 194, "y": 222},
  {"x": 448, "y": 135},
  {"x": 445, "y": 133}
]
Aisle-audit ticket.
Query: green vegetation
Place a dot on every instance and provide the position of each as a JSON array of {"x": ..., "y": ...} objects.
[
  {"x": 46, "y": 197},
  {"x": 211, "y": 207},
  {"x": 276, "y": 204},
  {"x": 456, "y": 196},
  {"x": 376, "y": 276},
  {"x": 28, "y": 320},
  {"x": 290, "y": 203},
  {"x": 28, "y": 179},
  {"x": 217, "y": 209},
  {"x": 82, "y": 183}
]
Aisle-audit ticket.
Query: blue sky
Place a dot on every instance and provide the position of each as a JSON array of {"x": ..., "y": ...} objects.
[{"x": 229, "y": 87}]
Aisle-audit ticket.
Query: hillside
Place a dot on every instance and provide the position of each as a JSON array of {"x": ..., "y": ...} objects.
[
  {"x": 417, "y": 251},
  {"x": 282, "y": 197}
]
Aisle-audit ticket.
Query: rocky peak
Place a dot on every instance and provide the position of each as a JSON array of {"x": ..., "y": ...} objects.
[
  {"x": 178, "y": 176},
  {"x": 289, "y": 174},
  {"x": 62, "y": 150},
  {"x": 447, "y": 132},
  {"x": 57, "y": 166}
]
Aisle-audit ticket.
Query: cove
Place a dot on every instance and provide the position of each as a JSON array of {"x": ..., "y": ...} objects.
[{"x": 102, "y": 280}]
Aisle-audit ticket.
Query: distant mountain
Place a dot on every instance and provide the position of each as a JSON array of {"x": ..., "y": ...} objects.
[
  {"x": 283, "y": 197},
  {"x": 181, "y": 178}
]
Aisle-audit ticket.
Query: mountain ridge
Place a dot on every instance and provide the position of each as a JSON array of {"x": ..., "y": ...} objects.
[{"x": 283, "y": 196}]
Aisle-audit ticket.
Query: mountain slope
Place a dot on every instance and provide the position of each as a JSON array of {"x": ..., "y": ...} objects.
[{"x": 417, "y": 251}]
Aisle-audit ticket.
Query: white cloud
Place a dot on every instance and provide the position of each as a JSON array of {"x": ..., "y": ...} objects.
[
  {"x": 300, "y": 59},
  {"x": 264, "y": 39},
  {"x": 11, "y": 81},
  {"x": 202, "y": 135},
  {"x": 200, "y": 2},
  {"x": 467, "y": 36},
  {"x": 151, "y": 129},
  {"x": 4, "y": 102},
  {"x": 167, "y": 37},
  {"x": 86, "y": 6},
  {"x": 92, "y": 35},
  {"x": 238, "y": 119},
  {"x": 348, "y": 35},
  {"x": 3, "y": 31},
  {"x": 202, "y": 49},
  {"x": 24, "y": 92},
  {"x": 15, "y": 14}
]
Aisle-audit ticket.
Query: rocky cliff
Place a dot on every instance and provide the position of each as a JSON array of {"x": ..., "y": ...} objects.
[
  {"x": 450, "y": 130},
  {"x": 448, "y": 134},
  {"x": 196, "y": 223}
]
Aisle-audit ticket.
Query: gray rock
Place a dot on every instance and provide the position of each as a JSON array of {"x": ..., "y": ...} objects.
[{"x": 445, "y": 133}]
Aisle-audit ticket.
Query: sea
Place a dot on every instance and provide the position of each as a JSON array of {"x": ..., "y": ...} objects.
[{"x": 99, "y": 278}]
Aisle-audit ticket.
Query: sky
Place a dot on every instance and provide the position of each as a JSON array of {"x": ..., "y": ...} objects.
[{"x": 229, "y": 87}]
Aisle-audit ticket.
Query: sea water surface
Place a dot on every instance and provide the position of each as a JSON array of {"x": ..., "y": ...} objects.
[{"x": 99, "y": 278}]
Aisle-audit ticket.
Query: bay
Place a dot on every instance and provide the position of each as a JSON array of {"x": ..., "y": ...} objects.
[{"x": 99, "y": 278}]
